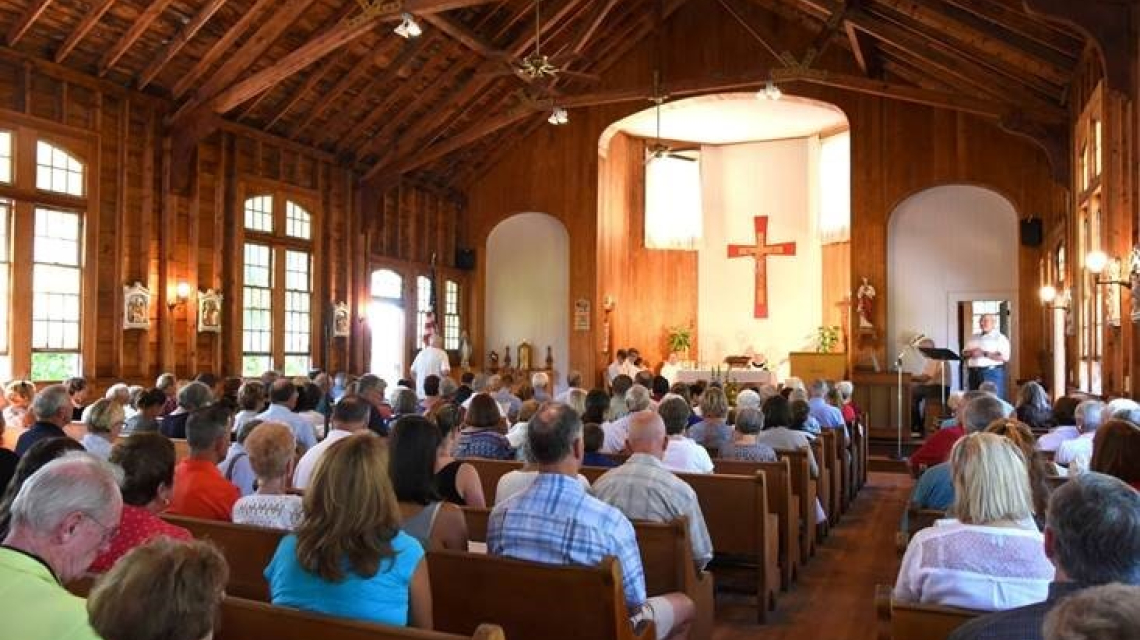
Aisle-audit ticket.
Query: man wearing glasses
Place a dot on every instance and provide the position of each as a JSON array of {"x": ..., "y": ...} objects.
[{"x": 62, "y": 518}]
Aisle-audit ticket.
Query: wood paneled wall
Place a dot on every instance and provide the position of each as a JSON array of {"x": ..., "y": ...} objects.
[
  {"x": 146, "y": 230},
  {"x": 898, "y": 149}
]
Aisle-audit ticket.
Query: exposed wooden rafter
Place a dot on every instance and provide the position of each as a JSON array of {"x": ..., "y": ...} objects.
[
  {"x": 188, "y": 31},
  {"x": 247, "y": 19},
  {"x": 92, "y": 17},
  {"x": 26, "y": 20},
  {"x": 137, "y": 29},
  {"x": 1101, "y": 21}
]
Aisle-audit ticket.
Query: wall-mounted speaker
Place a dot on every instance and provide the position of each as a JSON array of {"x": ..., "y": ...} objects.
[
  {"x": 465, "y": 259},
  {"x": 1032, "y": 232}
]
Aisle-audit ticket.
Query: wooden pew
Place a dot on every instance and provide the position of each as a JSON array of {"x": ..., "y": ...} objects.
[
  {"x": 666, "y": 558},
  {"x": 835, "y": 468},
  {"x": 805, "y": 488},
  {"x": 823, "y": 485},
  {"x": 835, "y": 439},
  {"x": 489, "y": 473},
  {"x": 913, "y": 621},
  {"x": 247, "y": 549},
  {"x": 782, "y": 501},
  {"x": 530, "y": 600},
  {"x": 181, "y": 447}
]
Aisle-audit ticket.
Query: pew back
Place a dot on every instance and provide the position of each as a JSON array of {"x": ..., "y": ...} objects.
[
  {"x": 914, "y": 621},
  {"x": 247, "y": 549},
  {"x": 805, "y": 489},
  {"x": 781, "y": 501}
]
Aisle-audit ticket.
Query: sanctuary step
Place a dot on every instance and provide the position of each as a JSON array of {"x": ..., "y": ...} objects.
[{"x": 885, "y": 464}]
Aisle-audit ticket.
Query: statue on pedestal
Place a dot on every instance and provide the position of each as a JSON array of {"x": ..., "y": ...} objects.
[
  {"x": 464, "y": 350},
  {"x": 865, "y": 305}
]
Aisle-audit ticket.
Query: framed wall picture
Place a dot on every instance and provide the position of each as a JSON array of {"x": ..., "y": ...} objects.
[
  {"x": 340, "y": 320},
  {"x": 136, "y": 306},
  {"x": 209, "y": 311}
]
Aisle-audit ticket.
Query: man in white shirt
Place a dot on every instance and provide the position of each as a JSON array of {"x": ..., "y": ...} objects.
[
  {"x": 282, "y": 398},
  {"x": 681, "y": 454},
  {"x": 1089, "y": 415},
  {"x": 349, "y": 417},
  {"x": 431, "y": 360},
  {"x": 617, "y": 367},
  {"x": 573, "y": 382},
  {"x": 670, "y": 369},
  {"x": 636, "y": 399},
  {"x": 986, "y": 353}
]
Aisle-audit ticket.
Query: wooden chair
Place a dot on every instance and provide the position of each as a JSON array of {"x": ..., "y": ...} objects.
[
  {"x": 242, "y": 619},
  {"x": 782, "y": 502},
  {"x": 913, "y": 621},
  {"x": 247, "y": 549},
  {"x": 489, "y": 473},
  {"x": 666, "y": 558},
  {"x": 805, "y": 489},
  {"x": 530, "y": 600}
]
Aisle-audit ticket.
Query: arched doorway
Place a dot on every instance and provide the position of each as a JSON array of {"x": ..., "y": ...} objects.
[
  {"x": 528, "y": 284},
  {"x": 387, "y": 324},
  {"x": 952, "y": 255}
]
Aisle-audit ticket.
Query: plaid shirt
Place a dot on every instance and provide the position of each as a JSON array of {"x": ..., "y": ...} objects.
[
  {"x": 643, "y": 489},
  {"x": 556, "y": 522},
  {"x": 1022, "y": 623}
]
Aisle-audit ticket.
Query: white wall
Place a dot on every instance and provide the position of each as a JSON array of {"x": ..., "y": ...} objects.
[
  {"x": 946, "y": 245},
  {"x": 740, "y": 182},
  {"x": 528, "y": 284}
]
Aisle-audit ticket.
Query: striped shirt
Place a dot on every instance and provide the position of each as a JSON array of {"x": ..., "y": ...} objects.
[
  {"x": 484, "y": 443},
  {"x": 556, "y": 522},
  {"x": 643, "y": 489}
]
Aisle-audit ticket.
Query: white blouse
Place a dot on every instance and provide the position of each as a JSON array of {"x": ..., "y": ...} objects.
[
  {"x": 975, "y": 567},
  {"x": 272, "y": 512}
]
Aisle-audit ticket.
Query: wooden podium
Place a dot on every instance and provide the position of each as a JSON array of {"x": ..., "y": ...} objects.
[
  {"x": 809, "y": 366},
  {"x": 877, "y": 395}
]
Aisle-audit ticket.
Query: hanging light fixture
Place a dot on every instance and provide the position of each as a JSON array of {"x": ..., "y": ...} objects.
[
  {"x": 770, "y": 92},
  {"x": 537, "y": 66},
  {"x": 559, "y": 116},
  {"x": 408, "y": 27}
]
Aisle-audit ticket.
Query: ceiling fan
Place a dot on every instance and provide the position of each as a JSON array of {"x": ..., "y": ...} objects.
[
  {"x": 538, "y": 66},
  {"x": 659, "y": 149}
]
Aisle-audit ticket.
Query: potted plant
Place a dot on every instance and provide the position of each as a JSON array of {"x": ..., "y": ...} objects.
[
  {"x": 826, "y": 339},
  {"x": 680, "y": 340}
]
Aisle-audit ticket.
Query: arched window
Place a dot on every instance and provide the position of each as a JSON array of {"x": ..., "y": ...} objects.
[
  {"x": 58, "y": 171},
  {"x": 450, "y": 315},
  {"x": 277, "y": 291},
  {"x": 387, "y": 284}
]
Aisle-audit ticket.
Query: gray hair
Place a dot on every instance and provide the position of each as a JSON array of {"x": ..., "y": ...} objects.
[
  {"x": 76, "y": 481},
  {"x": 637, "y": 398},
  {"x": 980, "y": 412},
  {"x": 1108, "y": 612},
  {"x": 370, "y": 382},
  {"x": 539, "y": 380},
  {"x": 749, "y": 420},
  {"x": 404, "y": 401},
  {"x": 988, "y": 387},
  {"x": 819, "y": 388},
  {"x": 1119, "y": 408},
  {"x": 48, "y": 403},
  {"x": 119, "y": 392},
  {"x": 194, "y": 396},
  {"x": 674, "y": 412},
  {"x": 102, "y": 416},
  {"x": 1095, "y": 521},
  {"x": 479, "y": 382},
  {"x": 767, "y": 391},
  {"x": 447, "y": 387},
  {"x": 551, "y": 433},
  {"x": 205, "y": 426},
  {"x": 845, "y": 389},
  {"x": 165, "y": 381},
  {"x": 1089, "y": 415},
  {"x": 747, "y": 399}
]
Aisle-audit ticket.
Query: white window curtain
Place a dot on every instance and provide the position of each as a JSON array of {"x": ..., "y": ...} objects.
[
  {"x": 835, "y": 188},
  {"x": 672, "y": 204}
]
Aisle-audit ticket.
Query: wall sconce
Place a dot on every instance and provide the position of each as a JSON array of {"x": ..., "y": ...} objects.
[
  {"x": 1097, "y": 261},
  {"x": 181, "y": 295},
  {"x": 1052, "y": 299}
]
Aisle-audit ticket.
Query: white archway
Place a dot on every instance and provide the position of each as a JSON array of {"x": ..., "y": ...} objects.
[
  {"x": 948, "y": 245},
  {"x": 528, "y": 285}
]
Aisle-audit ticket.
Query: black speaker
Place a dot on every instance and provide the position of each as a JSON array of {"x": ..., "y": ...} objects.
[
  {"x": 1032, "y": 232},
  {"x": 465, "y": 259}
]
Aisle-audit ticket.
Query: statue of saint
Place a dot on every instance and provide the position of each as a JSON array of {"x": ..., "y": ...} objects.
[{"x": 865, "y": 305}]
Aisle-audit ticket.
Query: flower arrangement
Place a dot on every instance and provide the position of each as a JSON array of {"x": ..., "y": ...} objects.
[{"x": 826, "y": 338}]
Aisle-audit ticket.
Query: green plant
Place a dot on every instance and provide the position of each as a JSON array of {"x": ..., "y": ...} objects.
[
  {"x": 680, "y": 339},
  {"x": 826, "y": 338}
]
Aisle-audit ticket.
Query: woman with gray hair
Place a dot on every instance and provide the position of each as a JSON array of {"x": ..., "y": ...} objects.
[
  {"x": 745, "y": 445},
  {"x": 192, "y": 397}
]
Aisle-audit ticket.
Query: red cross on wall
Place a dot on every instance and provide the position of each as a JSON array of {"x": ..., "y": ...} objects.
[{"x": 760, "y": 252}]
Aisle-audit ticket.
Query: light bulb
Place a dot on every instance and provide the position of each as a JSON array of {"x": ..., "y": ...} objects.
[
  {"x": 770, "y": 92},
  {"x": 1047, "y": 293},
  {"x": 1096, "y": 261},
  {"x": 408, "y": 27},
  {"x": 558, "y": 116}
]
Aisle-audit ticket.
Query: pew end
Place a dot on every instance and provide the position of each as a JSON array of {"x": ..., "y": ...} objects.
[{"x": 916, "y": 621}]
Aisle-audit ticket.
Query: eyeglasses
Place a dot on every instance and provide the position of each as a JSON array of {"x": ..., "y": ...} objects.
[{"x": 109, "y": 533}]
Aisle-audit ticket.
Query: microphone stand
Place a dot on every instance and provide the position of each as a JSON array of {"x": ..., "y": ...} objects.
[{"x": 899, "y": 395}]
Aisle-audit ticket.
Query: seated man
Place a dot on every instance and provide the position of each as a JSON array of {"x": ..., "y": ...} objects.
[
  {"x": 636, "y": 399},
  {"x": 65, "y": 515},
  {"x": 1089, "y": 416},
  {"x": 282, "y": 401},
  {"x": 985, "y": 409},
  {"x": 349, "y": 416},
  {"x": 52, "y": 410},
  {"x": 682, "y": 454},
  {"x": 643, "y": 489},
  {"x": 1092, "y": 538},
  {"x": 992, "y": 389},
  {"x": 200, "y": 490},
  {"x": 556, "y": 521}
]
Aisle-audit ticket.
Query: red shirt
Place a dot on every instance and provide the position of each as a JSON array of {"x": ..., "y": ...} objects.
[
  {"x": 136, "y": 527},
  {"x": 200, "y": 491},
  {"x": 937, "y": 448}
]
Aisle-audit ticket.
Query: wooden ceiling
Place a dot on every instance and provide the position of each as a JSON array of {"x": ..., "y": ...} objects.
[{"x": 443, "y": 105}]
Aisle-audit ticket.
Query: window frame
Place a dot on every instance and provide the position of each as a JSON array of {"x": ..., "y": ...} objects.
[{"x": 410, "y": 271}]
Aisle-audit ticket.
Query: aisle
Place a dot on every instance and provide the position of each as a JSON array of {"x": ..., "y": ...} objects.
[{"x": 834, "y": 596}]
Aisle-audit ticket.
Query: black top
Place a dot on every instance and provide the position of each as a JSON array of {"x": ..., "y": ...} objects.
[
  {"x": 76, "y": 414},
  {"x": 445, "y": 483},
  {"x": 462, "y": 394},
  {"x": 376, "y": 422},
  {"x": 1022, "y": 623},
  {"x": 174, "y": 425},
  {"x": 8, "y": 461},
  {"x": 39, "y": 431}
]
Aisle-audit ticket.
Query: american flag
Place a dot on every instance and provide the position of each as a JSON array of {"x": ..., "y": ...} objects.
[{"x": 429, "y": 317}]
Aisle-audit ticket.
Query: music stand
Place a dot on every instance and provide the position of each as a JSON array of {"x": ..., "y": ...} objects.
[{"x": 942, "y": 356}]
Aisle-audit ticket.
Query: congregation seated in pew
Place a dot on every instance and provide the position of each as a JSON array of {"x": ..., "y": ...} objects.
[
  {"x": 779, "y": 435},
  {"x": 272, "y": 449},
  {"x": 479, "y": 437},
  {"x": 200, "y": 490},
  {"x": 713, "y": 431},
  {"x": 413, "y": 445},
  {"x": 556, "y": 521},
  {"x": 746, "y": 445}
]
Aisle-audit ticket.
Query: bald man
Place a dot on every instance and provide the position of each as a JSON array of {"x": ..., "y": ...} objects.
[
  {"x": 987, "y": 353},
  {"x": 643, "y": 489}
]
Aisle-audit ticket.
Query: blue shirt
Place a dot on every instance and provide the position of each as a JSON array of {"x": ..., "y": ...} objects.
[
  {"x": 596, "y": 459},
  {"x": 715, "y": 435},
  {"x": 555, "y": 521},
  {"x": 829, "y": 417},
  {"x": 935, "y": 489},
  {"x": 382, "y": 599}
]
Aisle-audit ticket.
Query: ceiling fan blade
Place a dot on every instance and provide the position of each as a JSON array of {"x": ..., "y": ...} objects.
[{"x": 677, "y": 156}]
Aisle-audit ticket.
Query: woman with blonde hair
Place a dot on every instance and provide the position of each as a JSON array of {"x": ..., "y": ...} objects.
[
  {"x": 18, "y": 414},
  {"x": 104, "y": 421},
  {"x": 272, "y": 449},
  {"x": 1021, "y": 435},
  {"x": 349, "y": 558},
  {"x": 990, "y": 556}
]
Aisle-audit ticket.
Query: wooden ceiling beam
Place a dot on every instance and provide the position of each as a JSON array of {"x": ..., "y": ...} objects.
[
  {"x": 185, "y": 35},
  {"x": 311, "y": 82},
  {"x": 138, "y": 27},
  {"x": 465, "y": 36},
  {"x": 26, "y": 20},
  {"x": 864, "y": 50},
  {"x": 232, "y": 35},
  {"x": 964, "y": 82},
  {"x": 90, "y": 19},
  {"x": 1063, "y": 41},
  {"x": 639, "y": 32},
  {"x": 354, "y": 131},
  {"x": 591, "y": 26},
  {"x": 1109, "y": 25},
  {"x": 749, "y": 17}
]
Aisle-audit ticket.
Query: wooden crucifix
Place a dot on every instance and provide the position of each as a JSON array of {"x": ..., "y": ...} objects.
[{"x": 760, "y": 252}]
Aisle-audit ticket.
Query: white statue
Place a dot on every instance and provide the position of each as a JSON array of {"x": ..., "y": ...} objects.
[
  {"x": 464, "y": 350},
  {"x": 865, "y": 305}
]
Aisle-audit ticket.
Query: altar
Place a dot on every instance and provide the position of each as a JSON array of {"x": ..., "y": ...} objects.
[{"x": 756, "y": 377}]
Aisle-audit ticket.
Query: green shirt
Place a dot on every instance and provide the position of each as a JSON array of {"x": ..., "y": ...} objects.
[{"x": 34, "y": 606}]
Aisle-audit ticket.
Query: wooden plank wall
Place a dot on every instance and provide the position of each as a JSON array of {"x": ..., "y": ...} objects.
[
  {"x": 898, "y": 150},
  {"x": 149, "y": 232}
]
